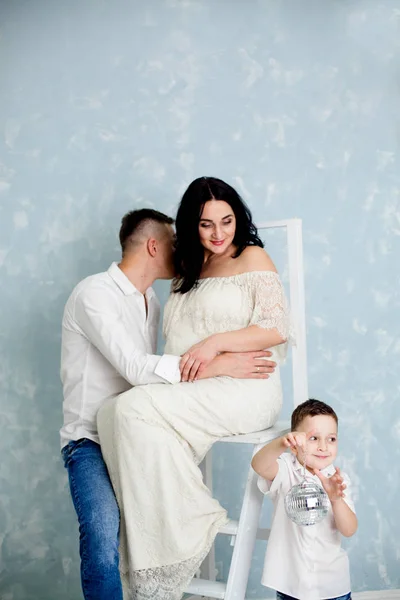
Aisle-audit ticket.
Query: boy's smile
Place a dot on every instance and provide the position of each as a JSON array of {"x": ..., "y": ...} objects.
[{"x": 322, "y": 443}]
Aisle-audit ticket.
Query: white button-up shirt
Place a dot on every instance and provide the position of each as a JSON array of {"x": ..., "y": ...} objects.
[
  {"x": 108, "y": 346},
  {"x": 307, "y": 563}
]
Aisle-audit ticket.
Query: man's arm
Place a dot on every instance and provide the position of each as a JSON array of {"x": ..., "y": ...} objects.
[{"x": 97, "y": 313}]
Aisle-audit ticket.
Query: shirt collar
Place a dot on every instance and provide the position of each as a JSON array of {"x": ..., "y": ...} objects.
[
  {"x": 124, "y": 284},
  {"x": 327, "y": 471}
]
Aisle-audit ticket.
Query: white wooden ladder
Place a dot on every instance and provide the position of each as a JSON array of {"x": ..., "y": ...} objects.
[{"x": 245, "y": 531}]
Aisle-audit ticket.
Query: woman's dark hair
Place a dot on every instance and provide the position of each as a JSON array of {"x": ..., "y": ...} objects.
[{"x": 189, "y": 252}]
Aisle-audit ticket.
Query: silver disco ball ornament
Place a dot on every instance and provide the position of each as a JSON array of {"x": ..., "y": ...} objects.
[{"x": 306, "y": 503}]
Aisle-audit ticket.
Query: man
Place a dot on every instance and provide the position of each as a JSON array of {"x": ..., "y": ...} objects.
[{"x": 109, "y": 336}]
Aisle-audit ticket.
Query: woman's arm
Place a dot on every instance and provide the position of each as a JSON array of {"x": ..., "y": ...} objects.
[
  {"x": 246, "y": 340},
  {"x": 269, "y": 306},
  {"x": 268, "y": 324},
  {"x": 240, "y": 365},
  {"x": 250, "y": 339}
]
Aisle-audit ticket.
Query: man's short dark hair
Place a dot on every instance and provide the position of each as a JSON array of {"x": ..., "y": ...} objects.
[
  {"x": 311, "y": 408},
  {"x": 134, "y": 222}
]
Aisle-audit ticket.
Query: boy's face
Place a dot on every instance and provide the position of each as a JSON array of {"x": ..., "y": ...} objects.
[{"x": 322, "y": 446}]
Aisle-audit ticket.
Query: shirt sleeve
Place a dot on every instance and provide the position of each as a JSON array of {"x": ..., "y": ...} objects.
[
  {"x": 168, "y": 368},
  {"x": 281, "y": 480},
  {"x": 270, "y": 310},
  {"x": 348, "y": 492},
  {"x": 97, "y": 313}
]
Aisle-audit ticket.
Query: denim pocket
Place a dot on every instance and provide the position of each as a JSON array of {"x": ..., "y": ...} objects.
[{"x": 68, "y": 451}]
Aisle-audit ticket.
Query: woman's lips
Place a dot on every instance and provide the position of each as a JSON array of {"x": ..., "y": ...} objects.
[{"x": 217, "y": 243}]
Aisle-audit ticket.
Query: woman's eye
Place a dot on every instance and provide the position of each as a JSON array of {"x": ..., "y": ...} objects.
[
  {"x": 227, "y": 222},
  {"x": 205, "y": 225},
  {"x": 313, "y": 438}
]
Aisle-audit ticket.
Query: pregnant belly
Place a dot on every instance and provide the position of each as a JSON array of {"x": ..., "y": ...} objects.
[{"x": 179, "y": 344}]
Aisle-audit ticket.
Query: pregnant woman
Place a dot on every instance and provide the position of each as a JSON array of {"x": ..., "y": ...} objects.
[{"x": 227, "y": 296}]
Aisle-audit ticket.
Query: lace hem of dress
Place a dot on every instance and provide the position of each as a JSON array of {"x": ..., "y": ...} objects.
[
  {"x": 168, "y": 582},
  {"x": 284, "y": 327}
]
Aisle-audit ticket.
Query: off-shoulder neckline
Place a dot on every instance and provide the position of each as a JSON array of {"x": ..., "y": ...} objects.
[{"x": 237, "y": 275}]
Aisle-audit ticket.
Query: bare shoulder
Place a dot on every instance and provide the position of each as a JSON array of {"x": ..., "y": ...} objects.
[{"x": 254, "y": 258}]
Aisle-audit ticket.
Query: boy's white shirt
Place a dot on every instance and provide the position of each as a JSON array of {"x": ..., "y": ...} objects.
[{"x": 307, "y": 563}]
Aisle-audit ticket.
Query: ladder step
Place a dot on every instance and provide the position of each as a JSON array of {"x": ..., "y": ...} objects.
[
  {"x": 210, "y": 589},
  {"x": 231, "y": 528}
]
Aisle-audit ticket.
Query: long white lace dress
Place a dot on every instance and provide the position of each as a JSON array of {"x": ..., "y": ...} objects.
[{"x": 153, "y": 437}]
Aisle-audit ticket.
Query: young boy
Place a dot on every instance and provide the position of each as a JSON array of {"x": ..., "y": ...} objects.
[{"x": 307, "y": 563}]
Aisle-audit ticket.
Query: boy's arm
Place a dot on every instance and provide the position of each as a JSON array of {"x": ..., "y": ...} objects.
[
  {"x": 265, "y": 461},
  {"x": 345, "y": 520}
]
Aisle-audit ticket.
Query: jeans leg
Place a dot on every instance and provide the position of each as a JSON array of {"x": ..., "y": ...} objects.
[{"x": 98, "y": 516}]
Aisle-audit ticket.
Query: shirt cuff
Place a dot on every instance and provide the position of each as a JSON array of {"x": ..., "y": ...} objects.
[
  {"x": 270, "y": 487},
  {"x": 168, "y": 368},
  {"x": 264, "y": 485}
]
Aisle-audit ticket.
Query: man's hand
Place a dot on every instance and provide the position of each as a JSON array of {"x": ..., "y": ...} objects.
[
  {"x": 197, "y": 358},
  {"x": 240, "y": 365}
]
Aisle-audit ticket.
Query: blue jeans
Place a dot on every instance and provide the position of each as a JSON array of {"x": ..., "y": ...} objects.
[
  {"x": 285, "y": 597},
  {"x": 98, "y": 516}
]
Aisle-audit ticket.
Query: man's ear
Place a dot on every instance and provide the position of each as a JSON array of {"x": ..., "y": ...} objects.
[{"x": 152, "y": 246}]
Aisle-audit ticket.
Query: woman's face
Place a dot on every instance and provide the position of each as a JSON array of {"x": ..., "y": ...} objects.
[{"x": 217, "y": 226}]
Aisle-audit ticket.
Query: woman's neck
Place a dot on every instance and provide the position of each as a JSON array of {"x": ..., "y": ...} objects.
[{"x": 212, "y": 258}]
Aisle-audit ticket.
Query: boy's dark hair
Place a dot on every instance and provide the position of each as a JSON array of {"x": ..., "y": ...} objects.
[
  {"x": 311, "y": 408},
  {"x": 133, "y": 223}
]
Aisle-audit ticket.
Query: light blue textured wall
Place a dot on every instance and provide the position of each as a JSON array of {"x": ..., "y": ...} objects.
[{"x": 110, "y": 105}]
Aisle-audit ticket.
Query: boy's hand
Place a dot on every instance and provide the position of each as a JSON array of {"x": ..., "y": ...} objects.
[
  {"x": 295, "y": 440},
  {"x": 334, "y": 486}
]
